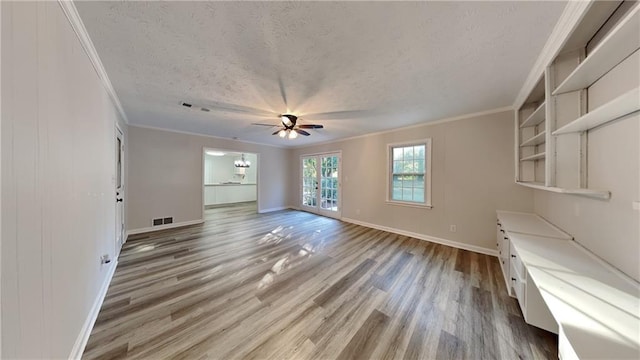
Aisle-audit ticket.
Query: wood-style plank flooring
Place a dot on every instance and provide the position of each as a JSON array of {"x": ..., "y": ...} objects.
[{"x": 293, "y": 285}]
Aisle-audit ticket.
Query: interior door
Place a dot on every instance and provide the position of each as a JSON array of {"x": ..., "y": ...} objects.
[
  {"x": 321, "y": 191},
  {"x": 120, "y": 235}
]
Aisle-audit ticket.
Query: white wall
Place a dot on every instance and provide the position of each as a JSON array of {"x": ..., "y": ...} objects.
[
  {"x": 472, "y": 166},
  {"x": 219, "y": 169},
  {"x": 0, "y": 182},
  {"x": 610, "y": 229},
  {"x": 165, "y": 174},
  {"x": 58, "y": 169}
]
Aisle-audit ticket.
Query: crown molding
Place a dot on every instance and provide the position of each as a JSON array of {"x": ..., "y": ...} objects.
[
  {"x": 569, "y": 20},
  {"x": 428, "y": 123},
  {"x": 206, "y": 136},
  {"x": 70, "y": 11}
]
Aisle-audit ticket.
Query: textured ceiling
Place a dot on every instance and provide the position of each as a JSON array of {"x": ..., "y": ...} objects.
[{"x": 355, "y": 67}]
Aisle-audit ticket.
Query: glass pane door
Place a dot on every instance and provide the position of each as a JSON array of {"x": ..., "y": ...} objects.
[
  {"x": 309, "y": 182},
  {"x": 329, "y": 183},
  {"x": 321, "y": 184}
]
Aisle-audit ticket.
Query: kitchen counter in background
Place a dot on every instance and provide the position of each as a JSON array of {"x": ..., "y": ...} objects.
[
  {"x": 215, "y": 194},
  {"x": 229, "y": 184}
]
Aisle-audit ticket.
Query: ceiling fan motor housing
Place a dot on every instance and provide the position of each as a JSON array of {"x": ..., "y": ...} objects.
[{"x": 289, "y": 121}]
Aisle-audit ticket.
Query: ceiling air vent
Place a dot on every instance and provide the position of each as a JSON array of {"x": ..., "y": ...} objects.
[
  {"x": 186, "y": 104},
  {"x": 205, "y": 109}
]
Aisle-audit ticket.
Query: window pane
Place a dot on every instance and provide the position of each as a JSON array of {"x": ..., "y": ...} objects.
[
  {"x": 418, "y": 195},
  {"x": 419, "y": 181},
  {"x": 408, "y": 153},
  {"x": 408, "y": 173},
  {"x": 407, "y": 166},
  {"x": 397, "y": 193},
  {"x": 397, "y": 153},
  {"x": 407, "y": 194},
  {"x": 397, "y": 166}
]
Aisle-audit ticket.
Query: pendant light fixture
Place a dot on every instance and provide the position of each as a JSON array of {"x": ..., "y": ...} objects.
[{"x": 242, "y": 163}]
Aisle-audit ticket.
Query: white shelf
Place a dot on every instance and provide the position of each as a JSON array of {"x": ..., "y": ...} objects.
[
  {"x": 535, "y": 118},
  {"x": 536, "y": 140},
  {"x": 614, "y": 109},
  {"x": 623, "y": 40},
  {"x": 598, "y": 194},
  {"x": 534, "y": 157}
]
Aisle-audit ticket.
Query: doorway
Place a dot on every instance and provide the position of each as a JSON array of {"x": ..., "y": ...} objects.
[
  {"x": 230, "y": 179},
  {"x": 321, "y": 191},
  {"x": 120, "y": 228}
]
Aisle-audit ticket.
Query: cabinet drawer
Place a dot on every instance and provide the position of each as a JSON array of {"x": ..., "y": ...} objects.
[
  {"x": 518, "y": 284},
  {"x": 516, "y": 263}
]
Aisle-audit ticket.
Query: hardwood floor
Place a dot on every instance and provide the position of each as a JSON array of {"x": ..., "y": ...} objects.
[{"x": 294, "y": 285}]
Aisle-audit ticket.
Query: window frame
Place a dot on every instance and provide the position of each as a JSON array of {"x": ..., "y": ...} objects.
[{"x": 427, "y": 174}]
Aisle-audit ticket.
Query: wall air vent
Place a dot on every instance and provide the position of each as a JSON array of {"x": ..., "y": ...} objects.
[
  {"x": 162, "y": 221},
  {"x": 186, "y": 104}
]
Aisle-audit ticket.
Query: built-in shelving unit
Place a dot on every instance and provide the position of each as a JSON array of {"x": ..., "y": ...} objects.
[
  {"x": 553, "y": 122},
  {"x": 621, "y": 42},
  {"x": 535, "y": 118},
  {"x": 535, "y": 140},
  {"x": 534, "y": 157},
  {"x": 627, "y": 103},
  {"x": 531, "y": 135}
]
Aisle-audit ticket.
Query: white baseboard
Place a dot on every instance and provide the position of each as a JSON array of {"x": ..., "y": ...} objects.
[
  {"x": 163, "y": 227},
  {"x": 83, "y": 337},
  {"x": 264, "y": 211},
  {"x": 433, "y": 239}
]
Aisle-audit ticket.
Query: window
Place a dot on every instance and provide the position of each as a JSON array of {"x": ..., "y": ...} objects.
[{"x": 410, "y": 173}]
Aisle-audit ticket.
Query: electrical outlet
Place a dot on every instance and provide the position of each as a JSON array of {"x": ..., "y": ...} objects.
[
  {"x": 452, "y": 228},
  {"x": 104, "y": 259}
]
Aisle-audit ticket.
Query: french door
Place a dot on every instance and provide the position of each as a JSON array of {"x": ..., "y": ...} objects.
[{"x": 321, "y": 190}]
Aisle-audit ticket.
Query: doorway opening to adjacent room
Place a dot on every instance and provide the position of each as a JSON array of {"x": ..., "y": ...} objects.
[
  {"x": 321, "y": 190},
  {"x": 230, "y": 180},
  {"x": 119, "y": 187}
]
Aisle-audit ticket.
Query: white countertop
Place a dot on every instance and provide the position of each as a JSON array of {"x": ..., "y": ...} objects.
[
  {"x": 525, "y": 223},
  {"x": 232, "y": 184},
  {"x": 596, "y": 307}
]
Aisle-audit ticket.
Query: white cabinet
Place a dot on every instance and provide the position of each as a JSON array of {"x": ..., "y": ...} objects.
[
  {"x": 217, "y": 194},
  {"x": 519, "y": 283},
  {"x": 563, "y": 288}
]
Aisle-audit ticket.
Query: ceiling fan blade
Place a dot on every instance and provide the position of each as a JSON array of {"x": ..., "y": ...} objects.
[
  {"x": 301, "y": 132},
  {"x": 311, "y": 126},
  {"x": 276, "y": 133},
  {"x": 282, "y": 92},
  {"x": 269, "y": 125}
]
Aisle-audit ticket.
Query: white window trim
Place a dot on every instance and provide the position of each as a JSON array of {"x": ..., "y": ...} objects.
[{"x": 427, "y": 174}]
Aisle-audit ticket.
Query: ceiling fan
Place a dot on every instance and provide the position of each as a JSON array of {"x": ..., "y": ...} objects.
[{"x": 289, "y": 128}]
